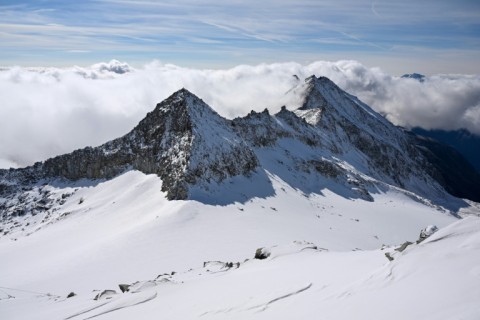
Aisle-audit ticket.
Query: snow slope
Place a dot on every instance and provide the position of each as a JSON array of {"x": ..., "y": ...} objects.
[{"x": 126, "y": 231}]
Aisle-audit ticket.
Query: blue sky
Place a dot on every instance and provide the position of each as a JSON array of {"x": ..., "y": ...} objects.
[{"x": 398, "y": 36}]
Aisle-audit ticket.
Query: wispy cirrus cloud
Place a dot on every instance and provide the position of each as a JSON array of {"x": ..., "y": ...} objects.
[{"x": 216, "y": 33}]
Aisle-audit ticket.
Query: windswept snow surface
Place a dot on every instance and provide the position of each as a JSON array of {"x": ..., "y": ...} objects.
[{"x": 326, "y": 256}]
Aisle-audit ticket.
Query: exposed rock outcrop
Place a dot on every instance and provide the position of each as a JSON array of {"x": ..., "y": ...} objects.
[{"x": 182, "y": 140}]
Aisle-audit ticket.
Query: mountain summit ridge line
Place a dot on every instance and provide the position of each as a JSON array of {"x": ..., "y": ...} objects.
[{"x": 187, "y": 144}]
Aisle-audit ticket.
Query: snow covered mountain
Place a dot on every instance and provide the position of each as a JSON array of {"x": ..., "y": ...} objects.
[
  {"x": 187, "y": 188},
  {"x": 193, "y": 149}
]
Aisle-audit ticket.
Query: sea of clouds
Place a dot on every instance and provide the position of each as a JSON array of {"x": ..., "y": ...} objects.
[{"x": 50, "y": 111}]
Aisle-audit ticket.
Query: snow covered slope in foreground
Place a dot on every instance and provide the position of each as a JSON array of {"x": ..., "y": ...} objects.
[{"x": 326, "y": 257}]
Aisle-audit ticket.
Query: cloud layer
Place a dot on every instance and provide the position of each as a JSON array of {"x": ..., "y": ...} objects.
[{"x": 48, "y": 111}]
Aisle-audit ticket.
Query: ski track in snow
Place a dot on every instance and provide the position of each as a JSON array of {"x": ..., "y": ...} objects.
[
  {"x": 264, "y": 306},
  {"x": 115, "y": 305},
  {"x": 259, "y": 307}
]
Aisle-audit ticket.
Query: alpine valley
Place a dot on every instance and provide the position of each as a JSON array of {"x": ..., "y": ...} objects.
[{"x": 328, "y": 211}]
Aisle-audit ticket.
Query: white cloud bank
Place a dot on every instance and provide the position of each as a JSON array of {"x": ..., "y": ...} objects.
[{"x": 47, "y": 111}]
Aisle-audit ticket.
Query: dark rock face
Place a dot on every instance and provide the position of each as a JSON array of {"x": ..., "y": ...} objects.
[
  {"x": 261, "y": 254},
  {"x": 326, "y": 168},
  {"x": 183, "y": 141},
  {"x": 90, "y": 163},
  {"x": 124, "y": 287},
  {"x": 260, "y": 129},
  {"x": 403, "y": 246}
]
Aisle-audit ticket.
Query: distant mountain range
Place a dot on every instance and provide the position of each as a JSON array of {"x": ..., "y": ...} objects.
[
  {"x": 416, "y": 76},
  {"x": 465, "y": 142}
]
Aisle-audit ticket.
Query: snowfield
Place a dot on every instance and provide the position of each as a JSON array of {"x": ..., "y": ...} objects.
[{"x": 189, "y": 260}]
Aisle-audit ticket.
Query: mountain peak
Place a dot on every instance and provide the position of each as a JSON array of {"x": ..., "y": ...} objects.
[
  {"x": 184, "y": 94},
  {"x": 316, "y": 93},
  {"x": 189, "y": 143},
  {"x": 183, "y": 99},
  {"x": 180, "y": 112},
  {"x": 324, "y": 96},
  {"x": 351, "y": 125},
  {"x": 319, "y": 80}
]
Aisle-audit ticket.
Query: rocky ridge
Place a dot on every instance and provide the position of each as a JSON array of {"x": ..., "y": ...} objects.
[
  {"x": 182, "y": 140},
  {"x": 332, "y": 137},
  {"x": 351, "y": 126}
]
